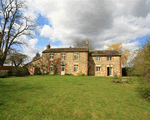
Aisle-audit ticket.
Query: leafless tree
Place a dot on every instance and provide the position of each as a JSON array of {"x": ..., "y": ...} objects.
[
  {"x": 37, "y": 56},
  {"x": 17, "y": 58},
  {"x": 82, "y": 43},
  {"x": 13, "y": 24}
]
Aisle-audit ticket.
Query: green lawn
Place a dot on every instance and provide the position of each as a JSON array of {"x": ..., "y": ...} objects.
[{"x": 50, "y": 97}]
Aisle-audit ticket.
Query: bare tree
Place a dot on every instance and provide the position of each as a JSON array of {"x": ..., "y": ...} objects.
[
  {"x": 13, "y": 25},
  {"x": 37, "y": 56},
  {"x": 17, "y": 58},
  {"x": 82, "y": 43}
]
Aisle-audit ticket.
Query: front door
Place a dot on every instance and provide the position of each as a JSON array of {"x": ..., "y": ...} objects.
[
  {"x": 63, "y": 70},
  {"x": 109, "y": 71}
]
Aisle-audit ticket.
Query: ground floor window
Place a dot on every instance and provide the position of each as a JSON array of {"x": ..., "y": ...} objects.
[
  {"x": 75, "y": 68},
  {"x": 63, "y": 68},
  {"x": 98, "y": 68},
  {"x": 51, "y": 67}
]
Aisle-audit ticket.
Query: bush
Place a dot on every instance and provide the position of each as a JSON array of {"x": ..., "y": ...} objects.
[
  {"x": 3, "y": 74},
  {"x": 144, "y": 87},
  {"x": 129, "y": 80},
  {"x": 80, "y": 74},
  {"x": 144, "y": 92},
  {"x": 10, "y": 73},
  {"x": 20, "y": 71},
  {"x": 38, "y": 73},
  {"x": 69, "y": 74},
  {"x": 115, "y": 76}
]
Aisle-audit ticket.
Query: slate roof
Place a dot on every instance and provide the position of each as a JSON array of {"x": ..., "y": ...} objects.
[
  {"x": 81, "y": 49},
  {"x": 104, "y": 52}
]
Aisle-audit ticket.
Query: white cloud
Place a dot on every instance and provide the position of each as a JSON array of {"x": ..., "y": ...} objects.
[
  {"x": 105, "y": 22},
  {"x": 47, "y": 31}
]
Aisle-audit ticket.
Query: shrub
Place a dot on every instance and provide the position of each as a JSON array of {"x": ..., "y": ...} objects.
[
  {"x": 3, "y": 74},
  {"x": 129, "y": 80},
  {"x": 20, "y": 71},
  {"x": 69, "y": 74},
  {"x": 10, "y": 73},
  {"x": 115, "y": 76},
  {"x": 144, "y": 92},
  {"x": 39, "y": 73},
  {"x": 80, "y": 74},
  {"x": 144, "y": 87}
]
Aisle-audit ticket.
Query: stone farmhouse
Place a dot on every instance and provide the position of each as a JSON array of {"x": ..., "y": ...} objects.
[{"x": 76, "y": 60}]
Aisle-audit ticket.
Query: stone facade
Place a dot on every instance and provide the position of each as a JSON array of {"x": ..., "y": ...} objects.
[
  {"x": 103, "y": 63},
  {"x": 92, "y": 63},
  {"x": 68, "y": 62}
]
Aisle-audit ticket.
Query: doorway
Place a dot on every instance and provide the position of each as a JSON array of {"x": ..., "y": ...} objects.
[
  {"x": 109, "y": 71},
  {"x": 63, "y": 70}
]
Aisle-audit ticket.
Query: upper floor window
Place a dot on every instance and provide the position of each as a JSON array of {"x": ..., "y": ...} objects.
[
  {"x": 98, "y": 58},
  {"x": 63, "y": 56},
  {"x": 109, "y": 58},
  {"x": 76, "y": 56},
  {"x": 51, "y": 67},
  {"x": 51, "y": 56}
]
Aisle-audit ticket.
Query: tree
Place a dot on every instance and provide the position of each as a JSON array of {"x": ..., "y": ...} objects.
[
  {"x": 17, "y": 58},
  {"x": 141, "y": 66},
  {"x": 141, "y": 62},
  {"x": 37, "y": 56},
  {"x": 82, "y": 43},
  {"x": 13, "y": 24},
  {"x": 124, "y": 52}
]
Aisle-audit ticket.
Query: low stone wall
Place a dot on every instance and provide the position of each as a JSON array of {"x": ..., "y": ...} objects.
[{"x": 33, "y": 70}]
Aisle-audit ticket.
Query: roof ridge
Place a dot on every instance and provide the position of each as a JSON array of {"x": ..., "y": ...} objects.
[
  {"x": 68, "y": 47},
  {"x": 103, "y": 50}
]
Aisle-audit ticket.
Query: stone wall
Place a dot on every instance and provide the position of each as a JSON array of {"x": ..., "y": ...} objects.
[
  {"x": 69, "y": 62},
  {"x": 115, "y": 63}
]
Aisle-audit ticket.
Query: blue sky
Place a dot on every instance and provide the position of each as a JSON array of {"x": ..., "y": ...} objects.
[{"x": 103, "y": 22}]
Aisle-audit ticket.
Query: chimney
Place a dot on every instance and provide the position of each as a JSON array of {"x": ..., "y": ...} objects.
[
  {"x": 48, "y": 46},
  {"x": 87, "y": 44}
]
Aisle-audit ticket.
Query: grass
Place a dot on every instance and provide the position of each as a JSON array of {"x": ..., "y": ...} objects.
[{"x": 68, "y": 97}]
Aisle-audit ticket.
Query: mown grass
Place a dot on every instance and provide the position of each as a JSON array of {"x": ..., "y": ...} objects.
[{"x": 68, "y": 97}]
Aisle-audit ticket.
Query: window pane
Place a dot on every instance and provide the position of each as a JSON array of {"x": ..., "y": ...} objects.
[
  {"x": 63, "y": 68},
  {"x": 63, "y": 56},
  {"x": 51, "y": 56},
  {"x": 76, "y": 56},
  {"x": 98, "y": 68},
  {"x": 51, "y": 68},
  {"x": 98, "y": 58},
  {"x": 75, "y": 68}
]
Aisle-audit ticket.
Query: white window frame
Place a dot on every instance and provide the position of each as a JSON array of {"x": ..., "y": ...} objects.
[
  {"x": 109, "y": 58},
  {"x": 75, "y": 68},
  {"x": 50, "y": 67},
  {"x": 63, "y": 56},
  {"x": 98, "y": 68},
  {"x": 98, "y": 58},
  {"x": 76, "y": 56},
  {"x": 51, "y": 56}
]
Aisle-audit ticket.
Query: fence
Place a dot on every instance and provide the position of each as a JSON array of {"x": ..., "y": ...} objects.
[
  {"x": 7, "y": 67},
  {"x": 32, "y": 70}
]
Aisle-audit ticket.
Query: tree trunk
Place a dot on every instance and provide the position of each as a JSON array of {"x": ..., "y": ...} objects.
[{"x": 2, "y": 60}]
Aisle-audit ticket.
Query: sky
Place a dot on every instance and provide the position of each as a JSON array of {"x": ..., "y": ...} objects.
[{"x": 105, "y": 22}]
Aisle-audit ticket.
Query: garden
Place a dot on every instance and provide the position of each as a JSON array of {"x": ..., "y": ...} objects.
[{"x": 48, "y": 97}]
